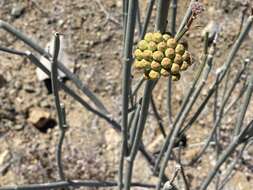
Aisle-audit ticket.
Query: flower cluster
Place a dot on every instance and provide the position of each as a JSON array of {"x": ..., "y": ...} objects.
[{"x": 161, "y": 55}]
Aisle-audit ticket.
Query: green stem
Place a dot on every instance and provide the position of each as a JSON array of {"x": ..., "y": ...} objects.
[
  {"x": 128, "y": 48},
  {"x": 139, "y": 131}
]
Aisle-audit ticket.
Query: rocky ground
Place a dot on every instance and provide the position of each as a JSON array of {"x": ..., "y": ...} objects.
[{"x": 93, "y": 32}]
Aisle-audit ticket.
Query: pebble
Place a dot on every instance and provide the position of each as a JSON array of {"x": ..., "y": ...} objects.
[
  {"x": 45, "y": 104},
  {"x": 77, "y": 23},
  {"x": 18, "y": 85},
  {"x": 29, "y": 88},
  {"x": 17, "y": 10},
  {"x": 41, "y": 119},
  {"x": 19, "y": 127},
  {"x": 2, "y": 81},
  {"x": 5, "y": 156}
]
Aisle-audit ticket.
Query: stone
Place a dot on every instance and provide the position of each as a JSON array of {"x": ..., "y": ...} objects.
[
  {"x": 63, "y": 57},
  {"x": 77, "y": 23},
  {"x": 45, "y": 104},
  {"x": 156, "y": 144},
  {"x": 18, "y": 85},
  {"x": 2, "y": 81},
  {"x": 19, "y": 127},
  {"x": 17, "y": 10},
  {"x": 29, "y": 88},
  {"x": 112, "y": 139},
  {"x": 5, "y": 156},
  {"x": 41, "y": 119}
]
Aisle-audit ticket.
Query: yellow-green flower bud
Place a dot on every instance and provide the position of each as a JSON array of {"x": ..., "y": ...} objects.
[
  {"x": 164, "y": 72},
  {"x": 152, "y": 46},
  {"x": 147, "y": 54},
  {"x": 143, "y": 45},
  {"x": 146, "y": 64},
  {"x": 178, "y": 59},
  {"x": 180, "y": 49},
  {"x": 138, "y": 54},
  {"x": 166, "y": 63},
  {"x": 166, "y": 37},
  {"x": 175, "y": 68},
  {"x": 157, "y": 37},
  {"x": 148, "y": 37},
  {"x": 171, "y": 43},
  {"x": 176, "y": 77},
  {"x": 170, "y": 53},
  {"x": 153, "y": 75},
  {"x": 139, "y": 65},
  {"x": 161, "y": 46},
  {"x": 184, "y": 66},
  {"x": 155, "y": 66},
  {"x": 158, "y": 56}
]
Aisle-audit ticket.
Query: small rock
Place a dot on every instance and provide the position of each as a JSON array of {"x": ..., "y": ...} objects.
[
  {"x": 2, "y": 81},
  {"x": 60, "y": 23},
  {"x": 51, "y": 20},
  {"x": 64, "y": 57},
  {"x": 212, "y": 28},
  {"x": 5, "y": 156},
  {"x": 19, "y": 127},
  {"x": 168, "y": 186},
  {"x": 45, "y": 104},
  {"x": 119, "y": 3},
  {"x": 41, "y": 119},
  {"x": 77, "y": 23},
  {"x": 112, "y": 139},
  {"x": 29, "y": 88},
  {"x": 17, "y": 10},
  {"x": 18, "y": 85},
  {"x": 156, "y": 145},
  {"x": 99, "y": 56}
]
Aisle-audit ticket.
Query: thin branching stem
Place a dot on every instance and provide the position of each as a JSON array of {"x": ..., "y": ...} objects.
[
  {"x": 158, "y": 117},
  {"x": 69, "y": 91},
  {"x": 127, "y": 58},
  {"x": 223, "y": 69},
  {"x": 147, "y": 17},
  {"x": 229, "y": 173},
  {"x": 61, "y": 117},
  {"x": 239, "y": 138},
  {"x": 137, "y": 86},
  {"x": 138, "y": 18},
  {"x": 219, "y": 115},
  {"x": 172, "y": 138},
  {"x": 233, "y": 102},
  {"x": 124, "y": 12},
  {"x": 133, "y": 127},
  {"x": 162, "y": 14},
  {"x": 186, "y": 18},
  {"x": 73, "y": 184},
  {"x": 185, "y": 102},
  {"x": 173, "y": 32},
  {"x": 243, "y": 107},
  {"x": 185, "y": 108},
  {"x": 79, "y": 84},
  {"x": 139, "y": 132}
]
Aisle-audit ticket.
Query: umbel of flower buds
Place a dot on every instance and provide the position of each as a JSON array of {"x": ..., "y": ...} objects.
[{"x": 161, "y": 55}]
